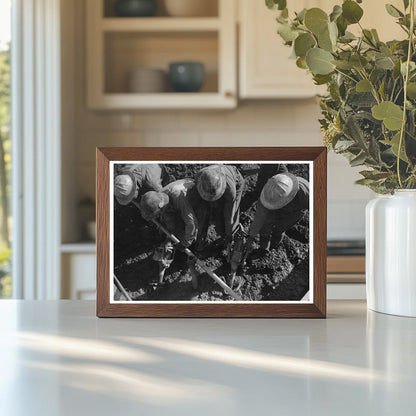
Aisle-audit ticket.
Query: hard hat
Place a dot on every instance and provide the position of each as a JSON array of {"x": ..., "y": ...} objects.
[
  {"x": 279, "y": 191},
  {"x": 152, "y": 202},
  {"x": 124, "y": 188},
  {"x": 211, "y": 183}
]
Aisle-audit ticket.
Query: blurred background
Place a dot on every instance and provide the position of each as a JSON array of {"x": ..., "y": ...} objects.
[{"x": 146, "y": 73}]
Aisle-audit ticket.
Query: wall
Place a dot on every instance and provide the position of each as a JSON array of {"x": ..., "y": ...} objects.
[{"x": 253, "y": 123}]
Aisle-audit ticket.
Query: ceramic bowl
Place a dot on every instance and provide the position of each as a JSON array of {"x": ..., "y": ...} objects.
[
  {"x": 135, "y": 8},
  {"x": 191, "y": 8},
  {"x": 186, "y": 76},
  {"x": 147, "y": 80},
  {"x": 91, "y": 230}
]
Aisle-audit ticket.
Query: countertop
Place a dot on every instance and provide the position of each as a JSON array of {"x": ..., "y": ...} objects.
[{"x": 57, "y": 358}]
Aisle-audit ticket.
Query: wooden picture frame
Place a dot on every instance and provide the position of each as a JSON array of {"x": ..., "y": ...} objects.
[{"x": 315, "y": 304}]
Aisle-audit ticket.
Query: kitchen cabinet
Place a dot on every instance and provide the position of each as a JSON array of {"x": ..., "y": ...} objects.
[
  {"x": 78, "y": 263},
  {"x": 346, "y": 277},
  {"x": 265, "y": 70},
  {"x": 118, "y": 45}
]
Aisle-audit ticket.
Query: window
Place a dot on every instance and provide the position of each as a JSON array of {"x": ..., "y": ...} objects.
[{"x": 5, "y": 147}]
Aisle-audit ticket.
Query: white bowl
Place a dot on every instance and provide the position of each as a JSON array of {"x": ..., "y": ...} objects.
[
  {"x": 191, "y": 8},
  {"x": 147, "y": 80},
  {"x": 92, "y": 230}
]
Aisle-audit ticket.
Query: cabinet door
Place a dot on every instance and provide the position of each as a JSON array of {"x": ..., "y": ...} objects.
[
  {"x": 78, "y": 276},
  {"x": 266, "y": 71},
  {"x": 265, "y": 68}
]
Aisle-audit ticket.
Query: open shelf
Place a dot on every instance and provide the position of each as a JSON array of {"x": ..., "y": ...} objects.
[
  {"x": 160, "y": 24},
  {"x": 167, "y": 100},
  {"x": 210, "y": 10},
  {"x": 127, "y": 51},
  {"x": 119, "y": 45}
]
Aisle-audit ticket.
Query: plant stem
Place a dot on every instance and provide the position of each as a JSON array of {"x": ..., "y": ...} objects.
[
  {"x": 373, "y": 88},
  {"x": 406, "y": 79},
  {"x": 346, "y": 75}
]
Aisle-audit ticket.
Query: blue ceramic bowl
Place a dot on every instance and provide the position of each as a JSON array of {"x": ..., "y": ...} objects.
[
  {"x": 186, "y": 76},
  {"x": 135, "y": 8}
]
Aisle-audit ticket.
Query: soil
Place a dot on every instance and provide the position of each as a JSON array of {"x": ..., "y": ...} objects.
[{"x": 282, "y": 274}]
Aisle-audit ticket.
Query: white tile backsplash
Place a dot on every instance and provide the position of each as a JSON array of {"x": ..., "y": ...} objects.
[
  {"x": 258, "y": 123},
  {"x": 346, "y": 219}
]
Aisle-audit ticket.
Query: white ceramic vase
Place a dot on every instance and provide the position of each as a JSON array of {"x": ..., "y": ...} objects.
[{"x": 391, "y": 253}]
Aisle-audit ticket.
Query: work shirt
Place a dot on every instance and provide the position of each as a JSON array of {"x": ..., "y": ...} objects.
[
  {"x": 266, "y": 216},
  {"x": 232, "y": 194},
  {"x": 180, "y": 208},
  {"x": 148, "y": 177}
]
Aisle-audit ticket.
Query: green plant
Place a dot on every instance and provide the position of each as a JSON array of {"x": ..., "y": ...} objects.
[
  {"x": 5, "y": 279},
  {"x": 369, "y": 113}
]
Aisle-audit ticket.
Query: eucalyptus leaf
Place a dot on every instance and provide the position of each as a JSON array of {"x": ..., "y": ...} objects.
[
  {"x": 411, "y": 90},
  {"x": 362, "y": 100},
  {"x": 374, "y": 174},
  {"x": 303, "y": 43},
  {"x": 316, "y": 20},
  {"x": 347, "y": 37},
  {"x": 333, "y": 32},
  {"x": 384, "y": 62},
  {"x": 319, "y": 61},
  {"x": 412, "y": 67},
  {"x": 362, "y": 112},
  {"x": 358, "y": 61},
  {"x": 369, "y": 36},
  {"x": 395, "y": 147},
  {"x": 393, "y": 11},
  {"x": 363, "y": 86},
  {"x": 351, "y": 11},
  {"x": 396, "y": 70},
  {"x": 336, "y": 12},
  {"x": 287, "y": 33},
  {"x": 343, "y": 145},
  {"x": 382, "y": 89},
  {"x": 281, "y": 19},
  {"x": 325, "y": 42},
  {"x": 358, "y": 160},
  {"x": 345, "y": 65},
  {"x": 276, "y": 4},
  {"x": 321, "y": 79},
  {"x": 301, "y": 63},
  {"x": 342, "y": 25},
  {"x": 375, "y": 35},
  {"x": 388, "y": 112},
  {"x": 301, "y": 15},
  {"x": 354, "y": 132},
  {"x": 374, "y": 150},
  {"x": 405, "y": 21}
]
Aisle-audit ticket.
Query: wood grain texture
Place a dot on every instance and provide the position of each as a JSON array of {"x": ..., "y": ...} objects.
[
  {"x": 265, "y": 309},
  {"x": 346, "y": 264}
]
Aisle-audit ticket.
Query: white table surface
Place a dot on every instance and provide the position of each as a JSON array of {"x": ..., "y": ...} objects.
[{"x": 57, "y": 358}]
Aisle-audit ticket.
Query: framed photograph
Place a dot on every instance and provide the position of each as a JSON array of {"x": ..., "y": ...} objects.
[{"x": 211, "y": 232}]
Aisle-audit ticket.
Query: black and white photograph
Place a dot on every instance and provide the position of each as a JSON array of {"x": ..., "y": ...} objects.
[{"x": 211, "y": 232}]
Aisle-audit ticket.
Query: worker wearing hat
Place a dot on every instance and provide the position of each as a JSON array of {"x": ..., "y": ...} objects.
[
  {"x": 283, "y": 201},
  {"x": 220, "y": 188},
  {"x": 133, "y": 180},
  {"x": 172, "y": 207},
  {"x": 266, "y": 171}
]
